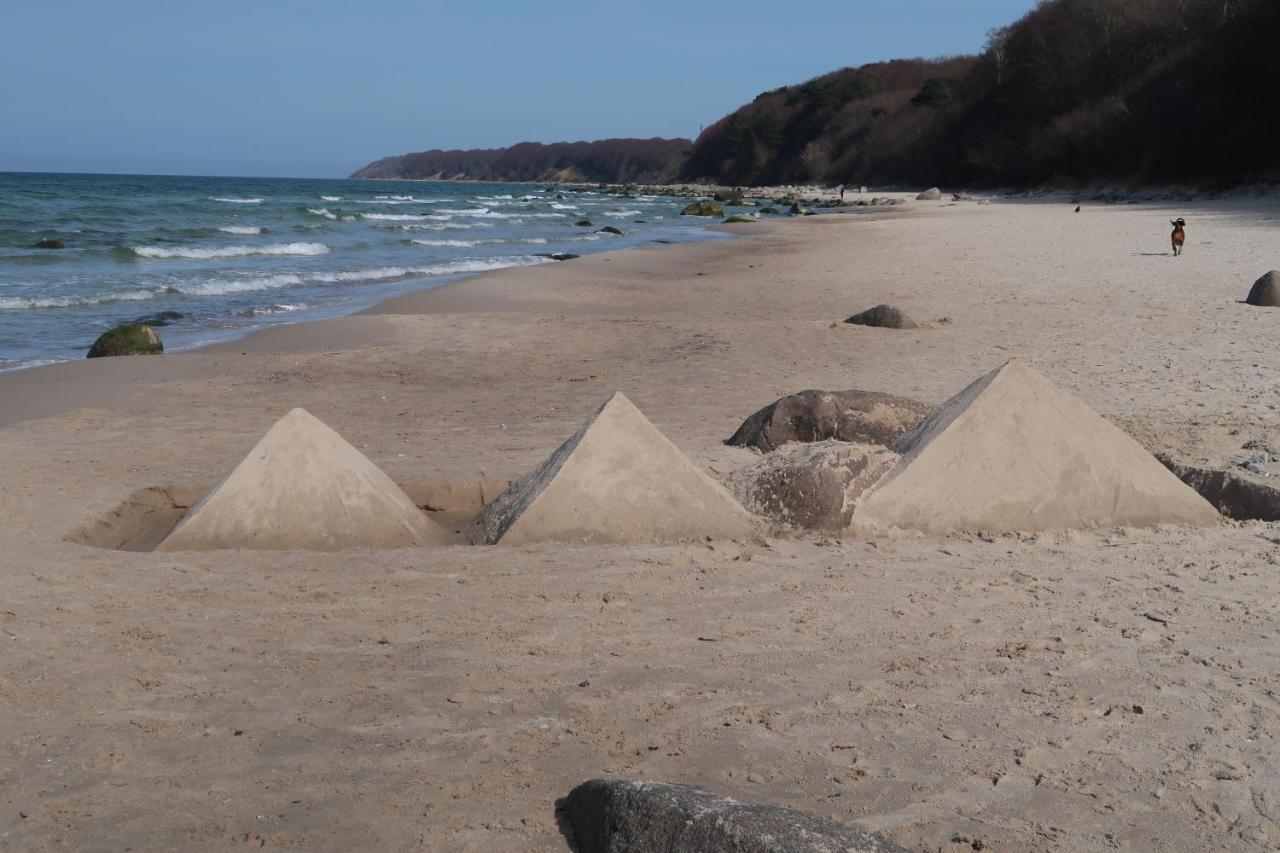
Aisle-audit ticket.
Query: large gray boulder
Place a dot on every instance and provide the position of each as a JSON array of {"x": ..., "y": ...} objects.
[
  {"x": 867, "y": 417},
  {"x": 133, "y": 339},
  {"x": 883, "y": 317},
  {"x": 1266, "y": 291},
  {"x": 612, "y": 816},
  {"x": 812, "y": 486},
  {"x": 703, "y": 208},
  {"x": 933, "y": 194}
]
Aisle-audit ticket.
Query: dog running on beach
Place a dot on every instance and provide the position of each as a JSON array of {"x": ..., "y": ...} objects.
[{"x": 1179, "y": 236}]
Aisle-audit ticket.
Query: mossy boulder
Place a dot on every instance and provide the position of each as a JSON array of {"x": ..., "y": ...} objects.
[
  {"x": 703, "y": 208},
  {"x": 609, "y": 229},
  {"x": 740, "y": 217},
  {"x": 133, "y": 339}
]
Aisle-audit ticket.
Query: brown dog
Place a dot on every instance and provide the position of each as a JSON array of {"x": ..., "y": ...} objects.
[{"x": 1179, "y": 235}]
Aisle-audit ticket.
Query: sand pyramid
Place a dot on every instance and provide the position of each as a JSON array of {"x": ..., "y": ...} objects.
[
  {"x": 617, "y": 480},
  {"x": 303, "y": 486},
  {"x": 1015, "y": 452}
]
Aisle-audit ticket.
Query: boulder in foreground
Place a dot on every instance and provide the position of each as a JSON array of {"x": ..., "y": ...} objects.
[
  {"x": 933, "y": 194},
  {"x": 618, "y": 479},
  {"x": 614, "y": 816},
  {"x": 1266, "y": 291},
  {"x": 303, "y": 487},
  {"x": 868, "y": 417},
  {"x": 1013, "y": 452},
  {"x": 133, "y": 339},
  {"x": 812, "y": 486},
  {"x": 883, "y": 317}
]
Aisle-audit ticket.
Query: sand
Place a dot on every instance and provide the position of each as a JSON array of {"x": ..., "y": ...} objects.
[{"x": 1082, "y": 691}]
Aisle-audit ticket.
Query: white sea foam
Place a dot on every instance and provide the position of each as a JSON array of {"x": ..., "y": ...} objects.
[
  {"x": 467, "y": 244},
  {"x": 241, "y": 229},
  {"x": 267, "y": 310},
  {"x": 208, "y": 252},
  {"x": 391, "y": 217},
  {"x": 222, "y": 287},
  {"x": 444, "y": 226},
  {"x": 622, "y": 214},
  {"x": 395, "y": 199},
  {"x": 19, "y": 303},
  {"x": 236, "y": 200},
  {"x": 331, "y": 198},
  {"x": 558, "y": 206},
  {"x": 323, "y": 211}
]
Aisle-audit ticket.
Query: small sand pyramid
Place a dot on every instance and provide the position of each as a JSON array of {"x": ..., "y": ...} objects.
[
  {"x": 1014, "y": 452},
  {"x": 618, "y": 479},
  {"x": 304, "y": 487}
]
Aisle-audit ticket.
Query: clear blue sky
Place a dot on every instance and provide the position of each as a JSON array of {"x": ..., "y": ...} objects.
[{"x": 318, "y": 88}]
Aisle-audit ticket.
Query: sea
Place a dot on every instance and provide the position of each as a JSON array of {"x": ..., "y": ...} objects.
[{"x": 209, "y": 259}]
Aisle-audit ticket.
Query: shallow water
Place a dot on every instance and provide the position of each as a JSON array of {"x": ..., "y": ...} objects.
[{"x": 207, "y": 259}]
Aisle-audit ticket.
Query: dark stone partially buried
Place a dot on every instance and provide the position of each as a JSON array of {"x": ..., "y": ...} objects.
[
  {"x": 1265, "y": 292},
  {"x": 614, "y": 816},
  {"x": 558, "y": 256},
  {"x": 48, "y": 243},
  {"x": 884, "y": 317},
  {"x": 867, "y": 417}
]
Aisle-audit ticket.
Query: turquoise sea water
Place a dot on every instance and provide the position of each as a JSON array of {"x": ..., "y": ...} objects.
[{"x": 206, "y": 259}]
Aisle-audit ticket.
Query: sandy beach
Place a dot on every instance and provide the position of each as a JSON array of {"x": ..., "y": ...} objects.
[{"x": 1112, "y": 689}]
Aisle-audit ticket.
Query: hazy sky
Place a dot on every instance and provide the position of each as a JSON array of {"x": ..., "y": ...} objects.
[{"x": 318, "y": 88}]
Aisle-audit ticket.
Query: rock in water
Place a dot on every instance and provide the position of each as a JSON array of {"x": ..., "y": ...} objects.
[
  {"x": 740, "y": 218},
  {"x": 583, "y": 223},
  {"x": 883, "y": 317},
  {"x": 614, "y": 816},
  {"x": 1013, "y": 452},
  {"x": 47, "y": 243},
  {"x": 703, "y": 208},
  {"x": 302, "y": 486},
  {"x": 798, "y": 209},
  {"x": 812, "y": 486},
  {"x": 867, "y": 417},
  {"x": 933, "y": 194},
  {"x": 133, "y": 339},
  {"x": 1266, "y": 291},
  {"x": 618, "y": 479},
  {"x": 609, "y": 229}
]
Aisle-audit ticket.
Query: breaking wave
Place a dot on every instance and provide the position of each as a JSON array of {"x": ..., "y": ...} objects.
[
  {"x": 241, "y": 229},
  {"x": 236, "y": 200},
  {"x": 198, "y": 253}
]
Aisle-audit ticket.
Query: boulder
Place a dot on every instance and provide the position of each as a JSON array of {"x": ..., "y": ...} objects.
[
  {"x": 933, "y": 194},
  {"x": 609, "y": 229},
  {"x": 616, "y": 816},
  {"x": 1266, "y": 291},
  {"x": 812, "y": 486},
  {"x": 867, "y": 417},
  {"x": 883, "y": 317},
  {"x": 772, "y": 211},
  {"x": 798, "y": 209},
  {"x": 703, "y": 208},
  {"x": 48, "y": 243},
  {"x": 583, "y": 223},
  {"x": 740, "y": 217},
  {"x": 558, "y": 256},
  {"x": 133, "y": 339}
]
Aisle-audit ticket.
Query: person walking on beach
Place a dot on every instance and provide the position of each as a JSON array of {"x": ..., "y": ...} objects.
[{"x": 842, "y": 192}]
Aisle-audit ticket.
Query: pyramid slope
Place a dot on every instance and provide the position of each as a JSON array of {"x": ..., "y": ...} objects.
[
  {"x": 303, "y": 486},
  {"x": 618, "y": 479},
  {"x": 1014, "y": 452}
]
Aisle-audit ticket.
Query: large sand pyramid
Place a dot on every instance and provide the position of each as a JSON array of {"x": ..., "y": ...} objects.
[
  {"x": 304, "y": 487},
  {"x": 1015, "y": 452},
  {"x": 618, "y": 479}
]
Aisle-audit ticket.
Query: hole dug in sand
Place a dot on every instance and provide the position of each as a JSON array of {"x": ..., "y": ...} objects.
[{"x": 144, "y": 519}]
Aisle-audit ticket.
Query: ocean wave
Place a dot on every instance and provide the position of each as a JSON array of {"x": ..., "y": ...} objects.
[
  {"x": 19, "y": 303},
  {"x": 391, "y": 217},
  {"x": 444, "y": 226},
  {"x": 462, "y": 211},
  {"x": 236, "y": 200},
  {"x": 331, "y": 198},
  {"x": 268, "y": 310},
  {"x": 558, "y": 206},
  {"x": 241, "y": 229},
  {"x": 468, "y": 244},
  {"x": 223, "y": 287},
  {"x": 392, "y": 200},
  {"x": 207, "y": 253},
  {"x": 622, "y": 214},
  {"x": 322, "y": 211}
]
